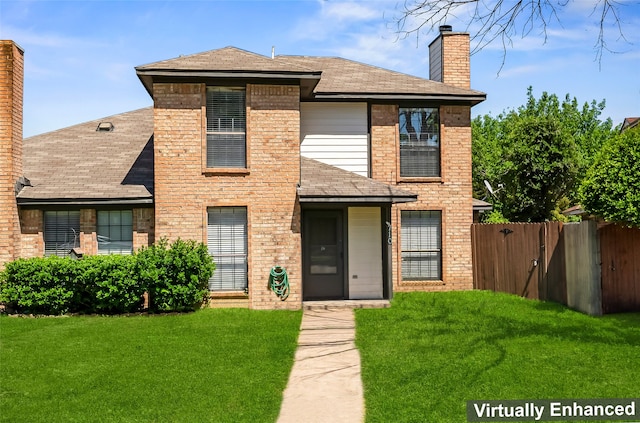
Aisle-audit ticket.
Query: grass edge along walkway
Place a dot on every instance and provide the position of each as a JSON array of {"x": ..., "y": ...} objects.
[
  {"x": 214, "y": 365},
  {"x": 428, "y": 354}
]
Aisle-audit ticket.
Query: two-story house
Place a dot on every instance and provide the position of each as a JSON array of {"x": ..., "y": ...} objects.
[{"x": 354, "y": 178}]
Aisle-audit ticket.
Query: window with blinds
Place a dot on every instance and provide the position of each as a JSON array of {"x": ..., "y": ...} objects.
[
  {"x": 227, "y": 243},
  {"x": 115, "y": 231},
  {"x": 61, "y": 232},
  {"x": 419, "y": 142},
  {"x": 421, "y": 234},
  {"x": 226, "y": 127}
]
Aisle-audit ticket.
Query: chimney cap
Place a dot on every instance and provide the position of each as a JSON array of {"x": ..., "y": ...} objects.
[{"x": 445, "y": 28}]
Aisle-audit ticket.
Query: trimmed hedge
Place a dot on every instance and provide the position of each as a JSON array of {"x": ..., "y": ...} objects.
[{"x": 175, "y": 277}]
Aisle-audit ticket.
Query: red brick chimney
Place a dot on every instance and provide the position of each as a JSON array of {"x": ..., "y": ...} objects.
[
  {"x": 11, "y": 89},
  {"x": 449, "y": 58}
]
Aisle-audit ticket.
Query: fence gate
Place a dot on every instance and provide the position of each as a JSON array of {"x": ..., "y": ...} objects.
[
  {"x": 507, "y": 257},
  {"x": 620, "y": 258}
]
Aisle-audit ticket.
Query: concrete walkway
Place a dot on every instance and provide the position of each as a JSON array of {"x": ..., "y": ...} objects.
[{"x": 325, "y": 383}]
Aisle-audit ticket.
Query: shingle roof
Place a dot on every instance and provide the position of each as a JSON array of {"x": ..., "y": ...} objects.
[
  {"x": 347, "y": 76},
  {"x": 79, "y": 163},
  {"x": 321, "y": 182},
  {"x": 225, "y": 59},
  {"x": 337, "y": 77}
]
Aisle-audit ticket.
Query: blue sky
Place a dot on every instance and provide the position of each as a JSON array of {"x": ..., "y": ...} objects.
[{"x": 80, "y": 55}]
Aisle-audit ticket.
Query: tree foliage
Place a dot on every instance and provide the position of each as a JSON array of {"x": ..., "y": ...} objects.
[
  {"x": 536, "y": 155},
  {"x": 611, "y": 188}
]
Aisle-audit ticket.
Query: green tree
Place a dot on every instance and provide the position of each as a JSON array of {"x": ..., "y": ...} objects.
[
  {"x": 540, "y": 171},
  {"x": 537, "y": 154},
  {"x": 611, "y": 188}
]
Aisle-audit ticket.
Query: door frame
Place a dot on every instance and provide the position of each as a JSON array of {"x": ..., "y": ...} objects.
[
  {"x": 342, "y": 254},
  {"x": 387, "y": 266}
]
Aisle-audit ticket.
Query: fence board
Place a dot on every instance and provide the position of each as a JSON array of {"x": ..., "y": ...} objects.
[
  {"x": 592, "y": 270},
  {"x": 582, "y": 267},
  {"x": 506, "y": 258},
  {"x": 620, "y": 257}
]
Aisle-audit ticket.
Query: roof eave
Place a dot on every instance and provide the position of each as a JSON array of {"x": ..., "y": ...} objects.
[
  {"x": 443, "y": 98},
  {"x": 357, "y": 199},
  {"x": 147, "y": 76},
  {"x": 83, "y": 201}
]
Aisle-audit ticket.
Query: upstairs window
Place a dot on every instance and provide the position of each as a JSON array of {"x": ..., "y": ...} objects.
[
  {"x": 419, "y": 142},
  {"x": 61, "y": 232},
  {"x": 226, "y": 127}
]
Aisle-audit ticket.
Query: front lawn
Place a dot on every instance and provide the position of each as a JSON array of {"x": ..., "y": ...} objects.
[
  {"x": 424, "y": 357},
  {"x": 208, "y": 366}
]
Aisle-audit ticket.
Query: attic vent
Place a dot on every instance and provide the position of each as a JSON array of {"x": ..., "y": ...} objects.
[{"x": 105, "y": 127}]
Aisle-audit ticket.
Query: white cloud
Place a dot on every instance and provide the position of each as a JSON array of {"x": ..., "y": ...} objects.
[
  {"x": 32, "y": 38},
  {"x": 349, "y": 11}
]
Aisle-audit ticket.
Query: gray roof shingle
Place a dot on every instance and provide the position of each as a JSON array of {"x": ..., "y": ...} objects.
[
  {"x": 79, "y": 163},
  {"x": 338, "y": 77},
  {"x": 321, "y": 182}
]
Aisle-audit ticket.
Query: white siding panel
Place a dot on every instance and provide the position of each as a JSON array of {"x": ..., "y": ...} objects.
[
  {"x": 336, "y": 134},
  {"x": 365, "y": 253}
]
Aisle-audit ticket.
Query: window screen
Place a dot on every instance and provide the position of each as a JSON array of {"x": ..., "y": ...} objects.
[
  {"x": 419, "y": 142},
  {"x": 227, "y": 242},
  {"x": 421, "y": 245},
  {"x": 61, "y": 232},
  {"x": 226, "y": 126},
  {"x": 115, "y": 231}
]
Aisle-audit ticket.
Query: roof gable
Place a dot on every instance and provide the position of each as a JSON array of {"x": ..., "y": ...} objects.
[{"x": 229, "y": 59}]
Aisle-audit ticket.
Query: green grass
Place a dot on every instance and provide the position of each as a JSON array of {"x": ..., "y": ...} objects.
[
  {"x": 207, "y": 366},
  {"x": 424, "y": 357}
]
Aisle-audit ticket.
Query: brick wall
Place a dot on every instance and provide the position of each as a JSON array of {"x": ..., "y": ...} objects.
[
  {"x": 32, "y": 231},
  {"x": 452, "y": 193},
  {"x": 143, "y": 228},
  {"x": 184, "y": 189},
  {"x": 11, "y": 93},
  {"x": 449, "y": 59},
  {"x": 31, "y": 227},
  {"x": 88, "y": 236}
]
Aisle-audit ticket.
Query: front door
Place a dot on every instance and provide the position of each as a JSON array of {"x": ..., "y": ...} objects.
[{"x": 323, "y": 255}]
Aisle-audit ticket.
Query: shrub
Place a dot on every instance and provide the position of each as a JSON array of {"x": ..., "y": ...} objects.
[
  {"x": 109, "y": 284},
  {"x": 175, "y": 276},
  {"x": 39, "y": 285}
]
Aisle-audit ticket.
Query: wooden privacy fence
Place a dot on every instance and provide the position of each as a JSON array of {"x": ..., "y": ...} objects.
[{"x": 562, "y": 263}]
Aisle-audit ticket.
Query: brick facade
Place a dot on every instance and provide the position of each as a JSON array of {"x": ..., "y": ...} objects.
[
  {"x": 32, "y": 230},
  {"x": 449, "y": 53},
  {"x": 184, "y": 189},
  {"x": 11, "y": 95},
  {"x": 451, "y": 193}
]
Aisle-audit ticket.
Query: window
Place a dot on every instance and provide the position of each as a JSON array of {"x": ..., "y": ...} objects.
[
  {"x": 61, "y": 232},
  {"x": 421, "y": 245},
  {"x": 226, "y": 125},
  {"x": 115, "y": 231},
  {"x": 419, "y": 142},
  {"x": 227, "y": 242}
]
